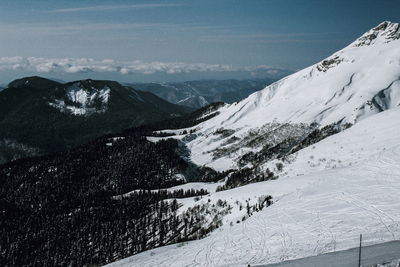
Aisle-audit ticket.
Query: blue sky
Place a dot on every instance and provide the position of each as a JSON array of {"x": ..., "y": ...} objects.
[{"x": 165, "y": 40}]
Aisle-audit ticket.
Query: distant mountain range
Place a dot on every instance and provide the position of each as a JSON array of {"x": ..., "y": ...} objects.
[
  {"x": 297, "y": 169},
  {"x": 200, "y": 93},
  {"x": 39, "y": 116}
]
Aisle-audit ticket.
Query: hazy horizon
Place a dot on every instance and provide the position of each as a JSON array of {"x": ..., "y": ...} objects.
[{"x": 143, "y": 41}]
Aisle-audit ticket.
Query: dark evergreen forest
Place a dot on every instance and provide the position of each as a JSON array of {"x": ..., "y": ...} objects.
[
  {"x": 67, "y": 209},
  {"x": 97, "y": 203}
]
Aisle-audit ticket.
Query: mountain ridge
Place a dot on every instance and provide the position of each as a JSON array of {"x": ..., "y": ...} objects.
[
  {"x": 343, "y": 89},
  {"x": 203, "y": 92},
  {"x": 47, "y": 116},
  {"x": 329, "y": 134}
]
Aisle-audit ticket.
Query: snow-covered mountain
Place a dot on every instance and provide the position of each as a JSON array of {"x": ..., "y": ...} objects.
[
  {"x": 329, "y": 134},
  {"x": 354, "y": 83}
]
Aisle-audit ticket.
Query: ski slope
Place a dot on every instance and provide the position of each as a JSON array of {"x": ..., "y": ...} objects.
[
  {"x": 322, "y": 209},
  {"x": 379, "y": 255}
]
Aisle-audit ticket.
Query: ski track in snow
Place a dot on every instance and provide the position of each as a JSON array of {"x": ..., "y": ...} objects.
[
  {"x": 330, "y": 192},
  {"x": 321, "y": 211}
]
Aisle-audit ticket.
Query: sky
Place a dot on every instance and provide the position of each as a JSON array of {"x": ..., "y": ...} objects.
[{"x": 178, "y": 39}]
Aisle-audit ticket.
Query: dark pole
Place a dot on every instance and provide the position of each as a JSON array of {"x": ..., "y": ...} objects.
[{"x": 359, "y": 253}]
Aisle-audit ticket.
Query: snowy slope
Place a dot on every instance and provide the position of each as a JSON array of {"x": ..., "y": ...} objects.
[
  {"x": 327, "y": 193},
  {"x": 322, "y": 209},
  {"x": 352, "y": 84},
  {"x": 83, "y": 101}
]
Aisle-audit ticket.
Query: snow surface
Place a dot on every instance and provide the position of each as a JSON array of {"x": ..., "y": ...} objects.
[
  {"x": 82, "y": 99},
  {"x": 393, "y": 263},
  {"x": 327, "y": 194},
  {"x": 322, "y": 210},
  {"x": 352, "y": 84},
  {"x": 379, "y": 255}
]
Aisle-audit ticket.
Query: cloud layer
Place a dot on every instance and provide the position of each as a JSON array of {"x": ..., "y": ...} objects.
[{"x": 84, "y": 65}]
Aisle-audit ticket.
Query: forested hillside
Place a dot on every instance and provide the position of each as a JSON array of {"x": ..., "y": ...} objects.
[
  {"x": 39, "y": 116},
  {"x": 66, "y": 209}
]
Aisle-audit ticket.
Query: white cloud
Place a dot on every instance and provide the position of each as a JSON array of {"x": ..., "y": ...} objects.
[{"x": 81, "y": 65}]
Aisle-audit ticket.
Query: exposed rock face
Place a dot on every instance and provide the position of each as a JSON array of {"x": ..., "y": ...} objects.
[
  {"x": 82, "y": 100},
  {"x": 388, "y": 31}
]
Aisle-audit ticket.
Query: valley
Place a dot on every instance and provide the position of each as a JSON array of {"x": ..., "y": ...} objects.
[
  {"x": 197, "y": 94},
  {"x": 265, "y": 167}
]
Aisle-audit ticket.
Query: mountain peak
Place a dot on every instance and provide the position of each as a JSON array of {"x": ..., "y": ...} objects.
[
  {"x": 90, "y": 84},
  {"x": 383, "y": 33},
  {"x": 345, "y": 88},
  {"x": 376, "y": 39},
  {"x": 34, "y": 82}
]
